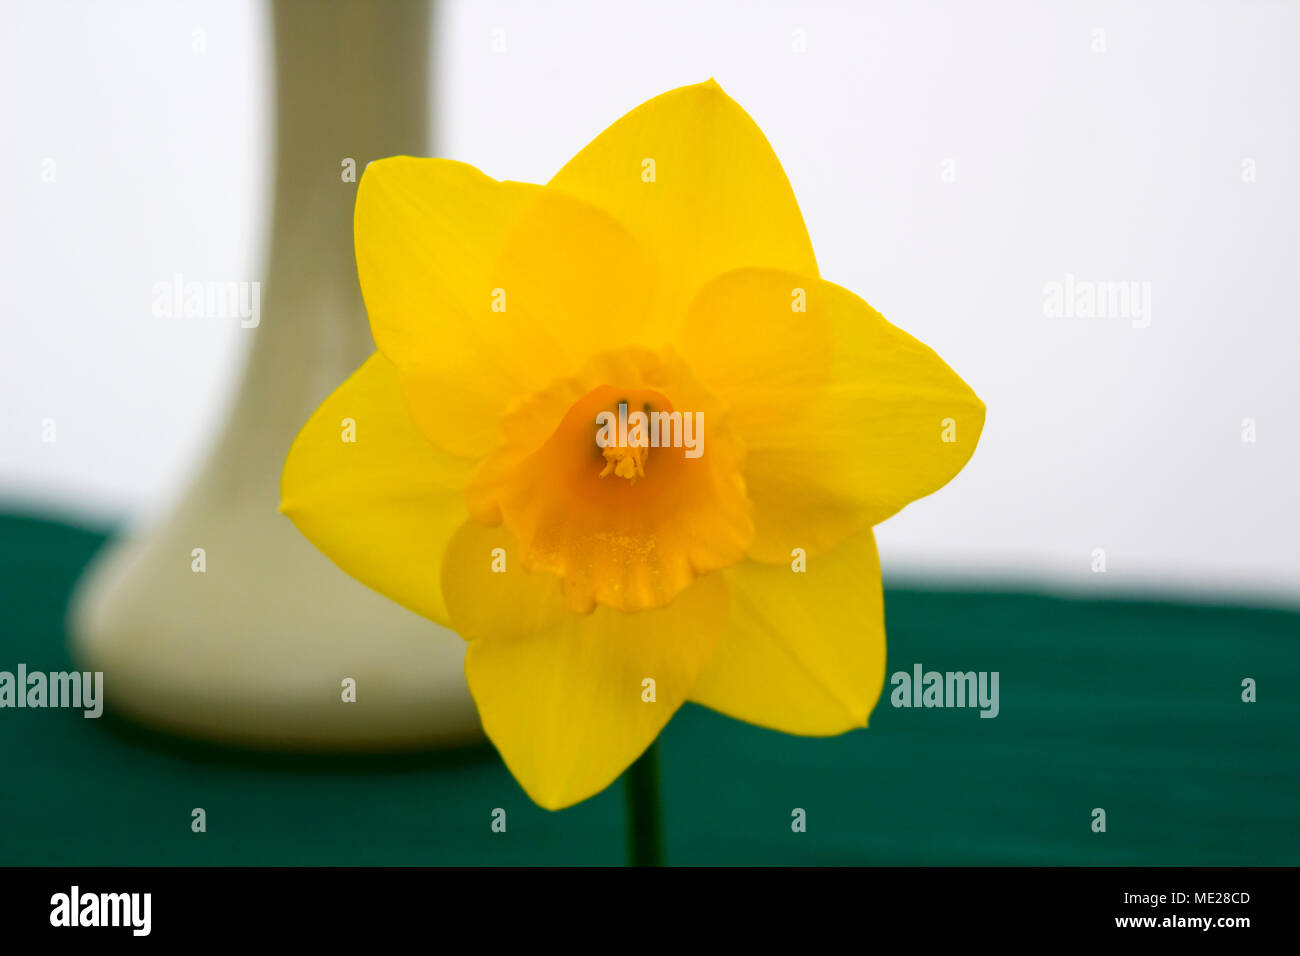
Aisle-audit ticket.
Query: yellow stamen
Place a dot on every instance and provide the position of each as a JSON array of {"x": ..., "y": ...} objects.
[{"x": 625, "y": 461}]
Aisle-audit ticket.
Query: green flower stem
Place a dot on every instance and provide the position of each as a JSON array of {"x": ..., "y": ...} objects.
[{"x": 644, "y": 819}]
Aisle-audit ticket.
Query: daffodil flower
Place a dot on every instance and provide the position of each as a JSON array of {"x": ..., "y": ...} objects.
[{"x": 666, "y": 267}]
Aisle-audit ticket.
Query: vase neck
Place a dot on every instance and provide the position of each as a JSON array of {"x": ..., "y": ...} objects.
[{"x": 351, "y": 85}]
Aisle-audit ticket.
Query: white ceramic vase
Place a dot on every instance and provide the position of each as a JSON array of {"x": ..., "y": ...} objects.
[{"x": 255, "y": 649}]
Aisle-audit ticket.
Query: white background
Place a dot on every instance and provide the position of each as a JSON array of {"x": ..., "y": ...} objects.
[{"x": 1117, "y": 165}]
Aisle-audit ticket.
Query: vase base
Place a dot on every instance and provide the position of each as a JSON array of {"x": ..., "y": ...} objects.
[{"x": 255, "y": 648}]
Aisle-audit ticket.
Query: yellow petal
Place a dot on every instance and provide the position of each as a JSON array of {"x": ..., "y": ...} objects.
[
  {"x": 719, "y": 199},
  {"x": 845, "y": 418},
  {"x": 804, "y": 652},
  {"x": 563, "y": 696},
  {"x": 489, "y": 592},
  {"x": 484, "y": 292},
  {"x": 384, "y": 506}
]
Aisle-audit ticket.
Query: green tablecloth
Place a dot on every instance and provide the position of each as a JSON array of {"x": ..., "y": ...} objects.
[{"x": 1131, "y": 706}]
